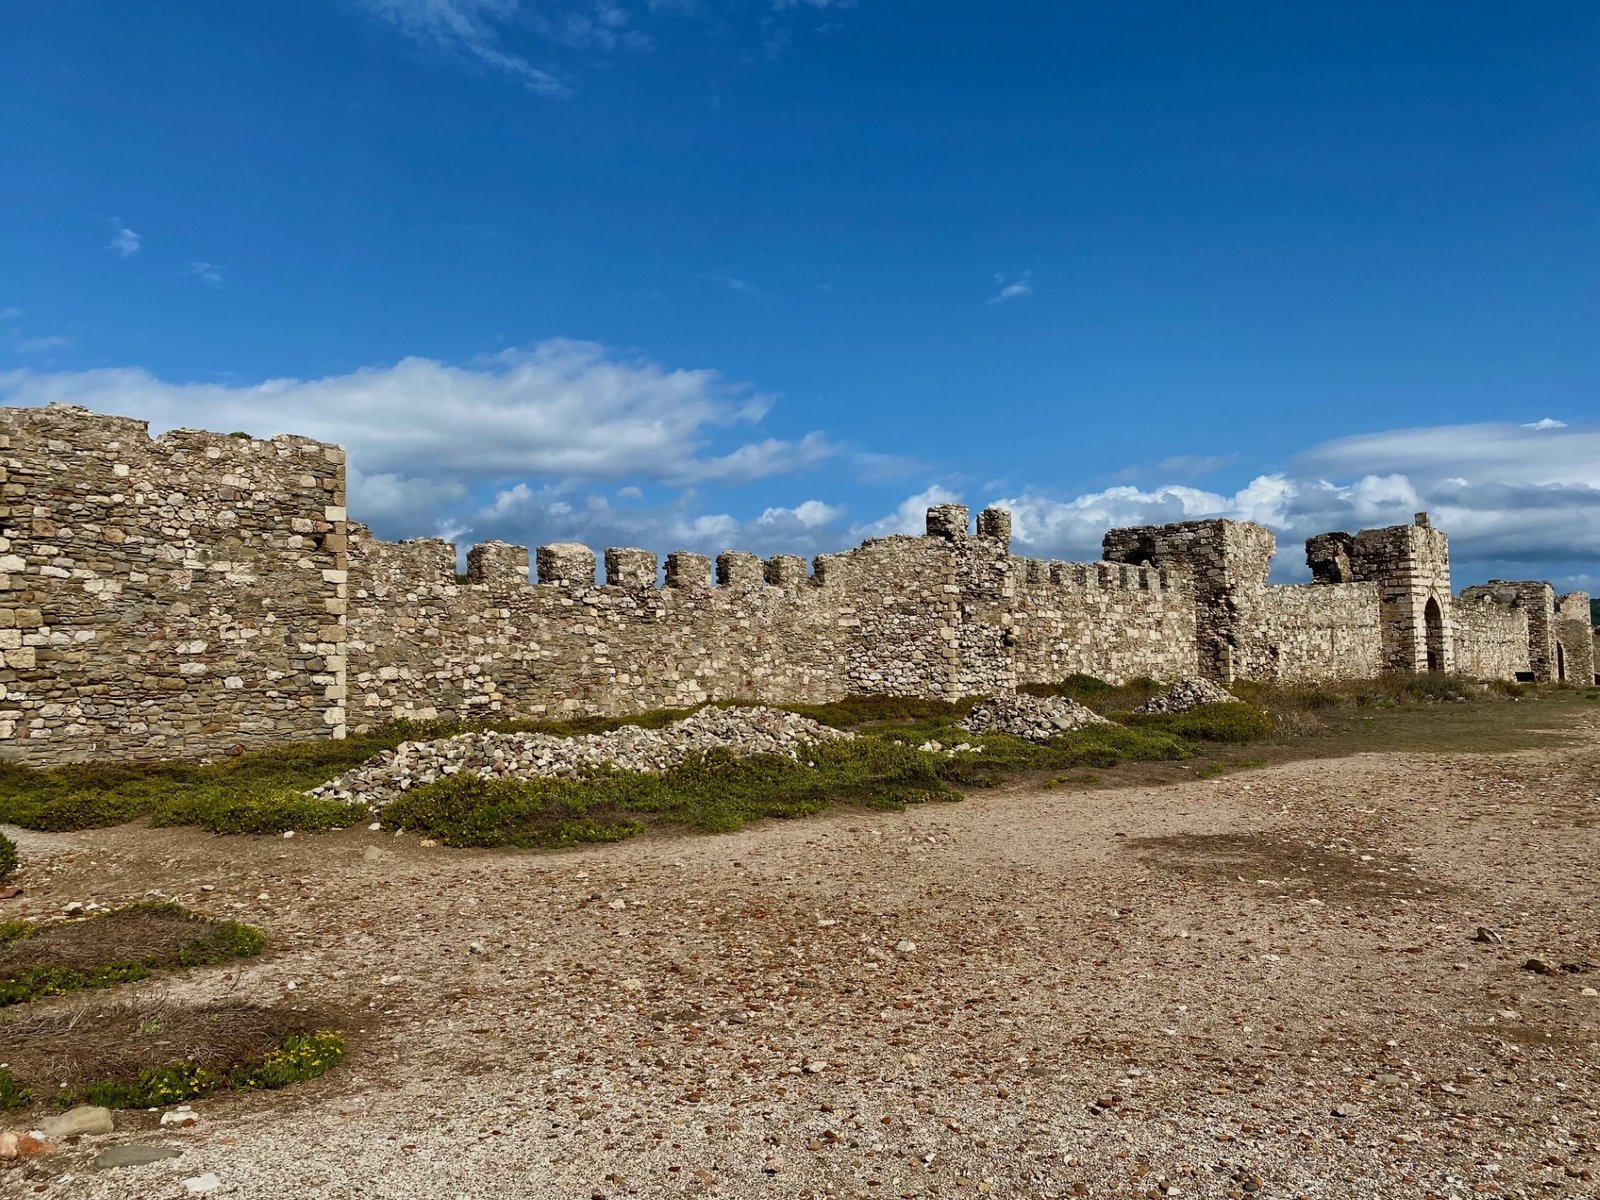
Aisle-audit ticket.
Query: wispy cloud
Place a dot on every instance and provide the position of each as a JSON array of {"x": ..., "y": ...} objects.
[
  {"x": 471, "y": 29},
  {"x": 1546, "y": 423},
  {"x": 42, "y": 345},
  {"x": 207, "y": 273},
  {"x": 1016, "y": 289},
  {"x": 10, "y": 313},
  {"x": 124, "y": 241},
  {"x": 734, "y": 284}
]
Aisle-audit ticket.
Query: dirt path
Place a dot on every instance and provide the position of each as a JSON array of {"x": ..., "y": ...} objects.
[{"x": 1264, "y": 984}]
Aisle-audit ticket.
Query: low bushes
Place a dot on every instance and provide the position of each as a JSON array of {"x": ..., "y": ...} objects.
[
  {"x": 8, "y": 858},
  {"x": 1238, "y": 722},
  {"x": 124, "y": 945},
  {"x": 297, "y": 1057}
]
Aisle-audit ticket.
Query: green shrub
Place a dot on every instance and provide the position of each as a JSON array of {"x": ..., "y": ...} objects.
[
  {"x": 73, "y": 956},
  {"x": 1238, "y": 722},
  {"x": 1095, "y": 693},
  {"x": 8, "y": 857},
  {"x": 296, "y": 1058},
  {"x": 12, "y": 1093}
]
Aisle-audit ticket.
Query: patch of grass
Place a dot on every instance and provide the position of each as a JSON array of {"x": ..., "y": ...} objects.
[
  {"x": 124, "y": 945},
  {"x": 8, "y": 857},
  {"x": 297, "y": 1057},
  {"x": 153, "y": 1052},
  {"x": 1095, "y": 693},
  {"x": 1241, "y": 722},
  {"x": 711, "y": 793},
  {"x": 1212, "y": 770},
  {"x": 12, "y": 1093}
]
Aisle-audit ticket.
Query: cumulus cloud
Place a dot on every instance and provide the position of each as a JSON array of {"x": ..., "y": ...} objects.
[
  {"x": 1016, "y": 289},
  {"x": 910, "y": 516},
  {"x": 527, "y": 515},
  {"x": 1513, "y": 499},
  {"x": 1546, "y": 423},
  {"x": 124, "y": 242},
  {"x": 565, "y": 410}
]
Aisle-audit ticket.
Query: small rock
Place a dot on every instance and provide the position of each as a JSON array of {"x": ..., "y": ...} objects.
[
  {"x": 86, "y": 1118},
  {"x": 201, "y": 1184},
  {"x": 476, "y": 948},
  {"x": 1346, "y": 1110},
  {"x": 427, "y": 842},
  {"x": 815, "y": 1067},
  {"x": 132, "y": 1156},
  {"x": 1488, "y": 935},
  {"x": 905, "y": 946},
  {"x": 183, "y": 1116},
  {"x": 619, "y": 905},
  {"x": 1538, "y": 966}
]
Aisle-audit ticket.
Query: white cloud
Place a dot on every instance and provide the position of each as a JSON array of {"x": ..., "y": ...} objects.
[
  {"x": 42, "y": 345},
  {"x": 1512, "y": 501},
  {"x": 561, "y": 409},
  {"x": 910, "y": 516},
  {"x": 734, "y": 284},
  {"x": 471, "y": 29},
  {"x": 124, "y": 241},
  {"x": 207, "y": 273},
  {"x": 1019, "y": 287},
  {"x": 1546, "y": 423}
]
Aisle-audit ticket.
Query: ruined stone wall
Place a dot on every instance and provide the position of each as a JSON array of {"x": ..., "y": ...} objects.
[
  {"x": 1576, "y": 638},
  {"x": 1491, "y": 636},
  {"x": 1411, "y": 566},
  {"x": 165, "y": 597},
  {"x": 1245, "y": 628},
  {"x": 422, "y": 645},
  {"x": 1319, "y": 631},
  {"x": 1538, "y": 601},
  {"x": 1110, "y": 620},
  {"x": 183, "y": 595}
]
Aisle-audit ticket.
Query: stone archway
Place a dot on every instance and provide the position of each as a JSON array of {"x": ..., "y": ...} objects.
[{"x": 1433, "y": 619}]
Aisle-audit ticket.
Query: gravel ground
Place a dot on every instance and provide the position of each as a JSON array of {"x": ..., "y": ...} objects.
[{"x": 1262, "y": 984}]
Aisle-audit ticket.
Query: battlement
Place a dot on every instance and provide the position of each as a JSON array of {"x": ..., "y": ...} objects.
[{"x": 188, "y": 593}]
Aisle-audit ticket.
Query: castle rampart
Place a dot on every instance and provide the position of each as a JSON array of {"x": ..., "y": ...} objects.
[{"x": 189, "y": 594}]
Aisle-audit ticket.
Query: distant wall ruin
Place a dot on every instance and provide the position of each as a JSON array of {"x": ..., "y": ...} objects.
[{"x": 195, "y": 593}]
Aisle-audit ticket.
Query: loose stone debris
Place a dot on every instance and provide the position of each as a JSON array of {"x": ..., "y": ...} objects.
[
  {"x": 1187, "y": 694},
  {"x": 1035, "y": 718},
  {"x": 743, "y": 731}
]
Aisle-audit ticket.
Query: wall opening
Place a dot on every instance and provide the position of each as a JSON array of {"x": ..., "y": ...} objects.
[
  {"x": 1433, "y": 617},
  {"x": 1561, "y": 663}
]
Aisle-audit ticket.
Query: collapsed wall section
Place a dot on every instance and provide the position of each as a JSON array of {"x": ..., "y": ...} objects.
[{"x": 165, "y": 597}]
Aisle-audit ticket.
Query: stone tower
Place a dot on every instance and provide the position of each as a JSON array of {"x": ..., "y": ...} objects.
[{"x": 1411, "y": 566}]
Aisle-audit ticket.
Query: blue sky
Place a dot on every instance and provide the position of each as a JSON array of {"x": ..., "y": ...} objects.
[{"x": 775, "y": 274}]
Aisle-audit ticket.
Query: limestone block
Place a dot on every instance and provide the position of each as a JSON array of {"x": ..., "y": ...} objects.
[
  {"x": 947, "y": 521},
  {"x": 631, "y": 568},
  {"x": 567, "y": 564},
  {"x": 740, "y": 570},
  {"x": 686, "y": 570}
]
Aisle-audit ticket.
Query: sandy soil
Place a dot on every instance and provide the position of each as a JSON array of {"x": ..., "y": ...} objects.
[{"x": 1264, "y": 984}]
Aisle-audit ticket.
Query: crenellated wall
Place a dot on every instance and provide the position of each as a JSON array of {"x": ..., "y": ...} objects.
[{"x": 194, "y": 593}]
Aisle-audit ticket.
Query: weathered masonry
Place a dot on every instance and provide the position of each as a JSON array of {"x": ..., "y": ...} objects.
[{"x": 196, "y": 592}]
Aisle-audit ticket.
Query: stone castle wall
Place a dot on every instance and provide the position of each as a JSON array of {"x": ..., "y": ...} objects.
[
  {"x": 165, "y": 597},
  {"x": 194, "y": 593},
  {"x": 1491, "y": 637}
]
